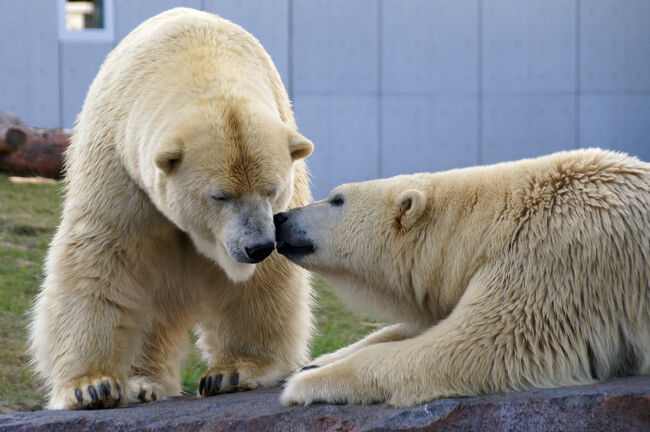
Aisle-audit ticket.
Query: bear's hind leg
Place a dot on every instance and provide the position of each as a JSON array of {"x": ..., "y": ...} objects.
[{"x": 156, "y": 372}]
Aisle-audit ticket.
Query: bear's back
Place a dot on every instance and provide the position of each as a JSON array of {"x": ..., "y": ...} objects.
[
  {"x": 181, "y": 28},
  {"x": 577, "y": 248},
  {"x": 181, "y": 50},
  {"x": 170, "y": 61}
]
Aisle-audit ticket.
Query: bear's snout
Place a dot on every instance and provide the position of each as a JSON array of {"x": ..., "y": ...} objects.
[
  {"x": 292, "y": 241},
  {"x": 279, "y": 219},
  {"x": 282, "y": 229},
  {"x": 258, "y": 252}
]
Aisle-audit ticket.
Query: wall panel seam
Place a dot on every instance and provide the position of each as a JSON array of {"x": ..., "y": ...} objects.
[
  {"x": 380, "y": 104},
  {"x": 479, "y": 95},
  {"x": 60, "y": 81},
  {"x": 290, "y": 48},
  {"x": 576, "y": 108}
]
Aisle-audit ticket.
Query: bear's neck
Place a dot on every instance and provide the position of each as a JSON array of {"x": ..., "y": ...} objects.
[{"x": 464, "y": 209}]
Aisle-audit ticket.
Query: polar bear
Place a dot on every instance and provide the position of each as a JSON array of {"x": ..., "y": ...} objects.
[
  {"x": 185, "y": 148},
  {"x": 501, "y": 278}
]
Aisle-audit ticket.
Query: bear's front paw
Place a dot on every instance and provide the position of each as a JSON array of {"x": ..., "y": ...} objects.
[
  {"x": 307, "y": 387},
  {"x": 90, "y": 392},
  {"x": 239, "y": 376},
  {"x": 144, "y": 389},
  {"x": 334, "y": 384}
]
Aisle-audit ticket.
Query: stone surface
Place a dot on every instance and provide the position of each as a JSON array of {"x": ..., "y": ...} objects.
[{"x": 619, "y": 405}]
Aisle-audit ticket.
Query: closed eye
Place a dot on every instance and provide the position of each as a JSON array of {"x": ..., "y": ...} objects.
[
  {"x": 272, "y": 193},
  {"x": 219, "y": 197}
]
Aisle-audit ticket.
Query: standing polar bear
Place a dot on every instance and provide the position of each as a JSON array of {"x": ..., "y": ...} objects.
[
  {"x": 184, "y": 149},
  {"x": 526, "y": 274}
]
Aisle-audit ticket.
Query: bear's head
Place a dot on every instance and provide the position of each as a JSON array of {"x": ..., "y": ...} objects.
[
  {"x": 358, "y": 235},
  {"x": 221, "y": 171}
]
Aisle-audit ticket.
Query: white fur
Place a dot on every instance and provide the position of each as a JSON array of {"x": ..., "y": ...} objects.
[
  {"x": 185, "y": 105},
  {"x": 507, "y": 277}
]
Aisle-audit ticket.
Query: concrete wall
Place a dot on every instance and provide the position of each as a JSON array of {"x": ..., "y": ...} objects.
[{"x": 389, "y": 86}]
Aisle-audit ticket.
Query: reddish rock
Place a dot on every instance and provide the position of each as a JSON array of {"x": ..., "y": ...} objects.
[
  {"x": 620, "y": 405},
  {"x": 30, "y": 151}
]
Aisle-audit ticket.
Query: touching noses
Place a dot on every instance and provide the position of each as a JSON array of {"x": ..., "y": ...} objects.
[
  {"x": 258, "y": 252},
  {"x": 279, "y": 219}
]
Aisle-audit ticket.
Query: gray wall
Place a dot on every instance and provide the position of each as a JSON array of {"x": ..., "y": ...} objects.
[{"x": 391, "y": 86}]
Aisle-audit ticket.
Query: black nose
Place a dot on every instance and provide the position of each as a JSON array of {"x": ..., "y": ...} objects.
[
  {"x": 280, "y": 218},
  {"x": 258, "y": 252}
]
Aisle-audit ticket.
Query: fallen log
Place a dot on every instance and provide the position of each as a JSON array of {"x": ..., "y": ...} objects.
[{"x": 27, "y": 151}]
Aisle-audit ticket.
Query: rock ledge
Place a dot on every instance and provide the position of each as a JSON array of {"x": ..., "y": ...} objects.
[{"x": 621, "y": 405}]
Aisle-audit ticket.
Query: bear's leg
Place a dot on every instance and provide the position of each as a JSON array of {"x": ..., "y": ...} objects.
[
  {"x": 393, "y": 333},
  {"x": 88, "y": 318},
  {"x": 82, "y": 340},
  {"x": 255, "y": 333},
  {"x": 156, "y": 373},
  {"x": 473, "y": 351},
  {"x": 400, "y": 373}
]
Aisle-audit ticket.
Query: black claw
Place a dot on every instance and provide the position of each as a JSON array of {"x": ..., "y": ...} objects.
[
  {"x": 142, "y": 395},
  {"x": 309, "y": 367},
  {"x": 119, "y": 392},
  {"x": 208, "y": 385},
  {"x": 107, "y": 387},
  {"x": 79, "y": 396},
  {"x": 154, "y": 397},
  {"x": 216, "y": 385},
  {"x": 235, "y": 380},
  {"x": 103, "y": 388},
  {"x": 93, "y": 393},
  {"x": 201, "y": 385},
  {"x": 100, "y": 391}
]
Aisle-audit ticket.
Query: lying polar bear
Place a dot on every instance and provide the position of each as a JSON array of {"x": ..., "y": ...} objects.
[{"x": 507, "y": 277}]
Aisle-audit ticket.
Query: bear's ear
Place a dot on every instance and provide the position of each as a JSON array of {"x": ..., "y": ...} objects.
[
  {"x": 299, "y": 146},
  {"x": 168, "y": 156},
  {"x": 409, "y": 205}
]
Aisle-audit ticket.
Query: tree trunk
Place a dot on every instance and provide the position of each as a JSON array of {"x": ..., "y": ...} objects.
[{"x": 30, "y": 151}]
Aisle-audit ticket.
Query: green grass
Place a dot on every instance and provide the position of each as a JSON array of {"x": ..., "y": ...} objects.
[
  {"x": 336, "y": 325},
  {"x": 29, "y": 215}
]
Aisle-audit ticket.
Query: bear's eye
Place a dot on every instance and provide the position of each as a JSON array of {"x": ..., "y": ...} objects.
[
  {"x": 337, "y": 200},
  {"x": 219, "y": 197},
  {"x": 272, "y": 193}
]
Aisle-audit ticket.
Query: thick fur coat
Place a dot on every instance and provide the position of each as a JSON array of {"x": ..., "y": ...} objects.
[
  {"x": 184, "y": 149},
  {"x": 508, "y": 277}
]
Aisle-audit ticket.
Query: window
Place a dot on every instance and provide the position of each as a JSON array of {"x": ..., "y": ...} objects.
[
  {"x": 85, "y": 20},
  {"x": 83, "y": 14}
]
